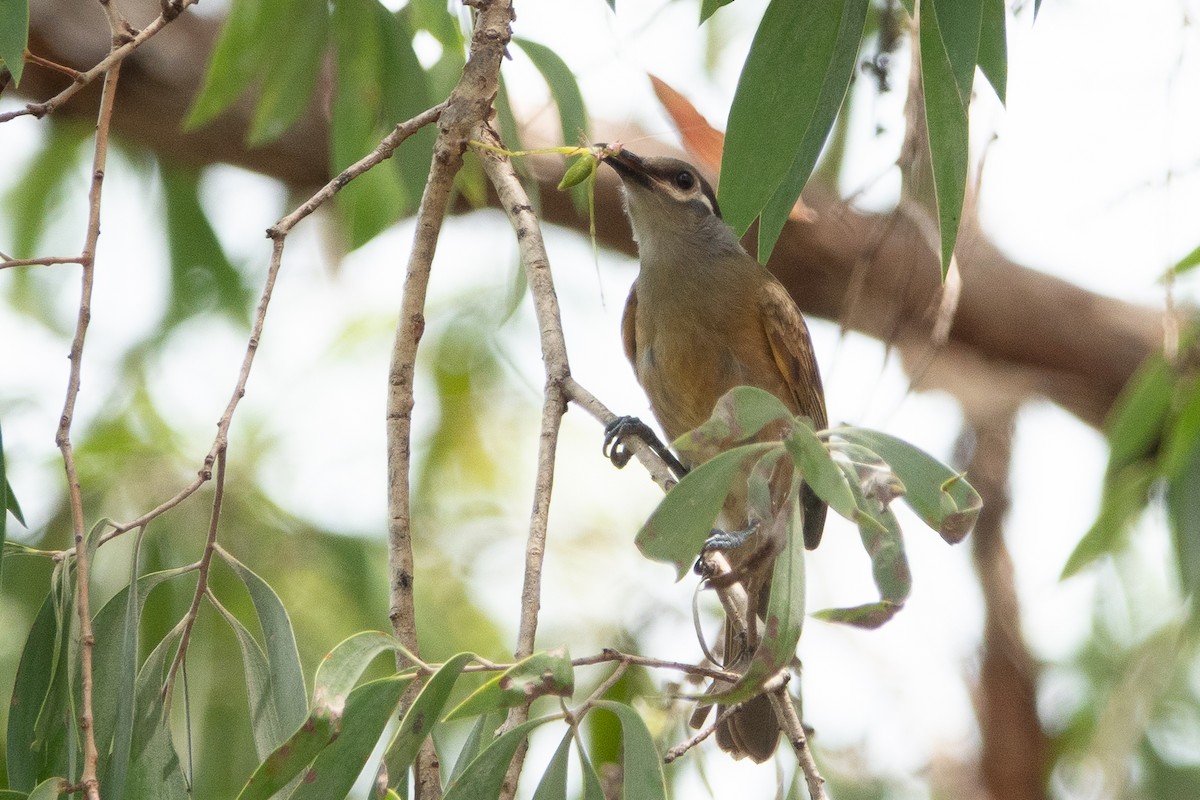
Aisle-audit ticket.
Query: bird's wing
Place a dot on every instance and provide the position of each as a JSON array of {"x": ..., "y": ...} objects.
[
  {"x": 792, "y": 349},
  {"x": 629, "y": 326}
]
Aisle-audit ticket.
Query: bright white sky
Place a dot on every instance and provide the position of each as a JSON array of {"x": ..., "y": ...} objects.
[{"x": 1101, "y": 112}]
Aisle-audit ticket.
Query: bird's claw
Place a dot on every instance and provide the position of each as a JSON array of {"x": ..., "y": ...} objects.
[
  {"x": 615, "y": 450},
  {"x": 723, "y": 541}
]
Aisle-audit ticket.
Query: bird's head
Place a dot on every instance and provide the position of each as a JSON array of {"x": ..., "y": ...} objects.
[{"x": 670, "y": 204}]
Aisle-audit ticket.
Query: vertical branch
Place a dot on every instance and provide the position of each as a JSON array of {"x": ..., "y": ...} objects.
[
  {"x": 89, "y": 778},
  {"x": 1014, "y": 746},
  {"x": 468, "y": 106},
  {"x": 515, "y": 203}
]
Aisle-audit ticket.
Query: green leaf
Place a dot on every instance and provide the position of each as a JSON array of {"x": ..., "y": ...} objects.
[
  {"x": 341, "y": 668},
  {"x": 1122, "y": 501},
  {"x": 481, "y": 735},
  {"x": 553, "y": 785},
  {"x": 739, "y": 416},
  {"x": 115, "y": 660},
  {"x": 641, "y": 767},
  {"x": 563, "y": 88},
  {"x": 785, "y": 607},
  {"x": 286, "y": 691},
  {"x": 5, "y": 494},
  {"x": 31, "y": 688},
  {"x": 1183, "y": 512},
  {"x": 289, "y": 77},
  {"x": 582, "y": 169},
  {"x": 1188, "y": 262},
  {"x": 946, "y": 82},
  {"x": 38, "y": 195},
  {"x": 368, "y": 710},
  {"x": 822, "y": 475},
  {"x": 709, "y": 7},
  {"x": 683, "y": 520},
  {"x": 49, "y": 789},
  {"x": 592, "y": 788},
  {"x": 155, "y": 772},
  {"x": 833, "y": 93},
  {"x": 796, "y": 74},
  {"x": 237, "y": 58},
  {"x": 545, "y": 673},
  {"x": 425, "y": 710},
  {"x": 202, "y": 277},
  {"x": 14, "y": 35},
  {"x": 993, "y": 47},
  {"x": 889, "y": 565},
  {"x": 939, "y": 495},
  {"x": 485, "y": 774},
  {"x": 1139, "y": 416}
]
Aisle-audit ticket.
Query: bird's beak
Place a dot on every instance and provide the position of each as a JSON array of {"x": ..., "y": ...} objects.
[{"x": 628, "y": 165}]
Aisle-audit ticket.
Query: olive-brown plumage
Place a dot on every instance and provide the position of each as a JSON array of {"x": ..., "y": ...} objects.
[{"x": 702, "y": 317}]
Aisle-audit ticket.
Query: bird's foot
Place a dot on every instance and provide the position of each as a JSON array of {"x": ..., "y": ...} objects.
[
  {"x": 724, "y": 541},
  {"x": 619, "y": 454}
]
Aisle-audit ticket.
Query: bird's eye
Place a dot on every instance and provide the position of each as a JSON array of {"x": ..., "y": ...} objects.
[{"x": 685, "y": 180}]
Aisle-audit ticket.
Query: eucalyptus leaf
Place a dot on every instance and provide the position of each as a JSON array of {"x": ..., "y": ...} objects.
[
  {"x": 154, "y": 770},
  {"x": 946, "y": 88},
  {"x": 425, "y": 711},
  {"x": 993, "y": 46},
  {"x": 740, "y": 415},
  {"x": 642, "y": 774},
  {"x": 683, "y": 520},
  {"x": 553, "y": 784},
  {"x": 484, "y": 776},
  {"x": 14, "y": 35},
  {"x": 544, "y": 673}
]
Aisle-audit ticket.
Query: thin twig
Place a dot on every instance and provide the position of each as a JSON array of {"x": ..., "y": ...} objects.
[
  {"x": 189, "y": 619},
  {"x": 91, "y": 757},
  {"x": 35, "y": 262},
  {"x": 785, "y": 712},
  {"x": 82, "y": 79},
  {"x": 705, "y": 732}
]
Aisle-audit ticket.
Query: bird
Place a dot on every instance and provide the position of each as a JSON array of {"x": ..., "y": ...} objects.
[{"x": 702, "y": 317}]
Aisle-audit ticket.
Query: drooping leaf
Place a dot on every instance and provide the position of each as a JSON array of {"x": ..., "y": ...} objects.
[
  {"x": 1123, "y": 500},
  {"x": 567, "y": 97},
  {"x": 940, "y": 496},
  {"x": 14, "y": 35},
  {"x": 796, "y": 74},
  {"x": 26, "y": 761},
  {"x": 993, "y": 47},
  {"x": 287, "y": 690},
  {"x": 289, "y": 77},
  {"x": 947, "y": 88},
  {"x": 683, "y": 520},
  {"x": 709, "y": 7},
  {"x": 553, "y": 785},
  {"x": 592, "y": 788},
  {"x": 642, "y": 774},
  {"x": 1136, "y": 423},
  {"x": 49, "y": 789},
  {"x": 202, "y": 277},
  {"x": 425, "y": 710},
  {"x": 785, "y": 199},
  {"x": 154, "y": 770},
  {"x": 1188, "y": 262},
  {"x": 237, "y": 57},
  {"x": 889, "y": 565},
  {"x": 544, "y": 673},
  {"x": 1183, "y": 512},
  {"x": 485, "y": 774},
  {"x": 821, "y": 474},
  {"x": 368, "y": 710},
  {"x": 481, "y": 735},
  {"x": 739, "y": 415}
]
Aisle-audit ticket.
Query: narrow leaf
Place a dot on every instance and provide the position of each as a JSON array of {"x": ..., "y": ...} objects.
[
  {"x": 14, "y": 35},
  {"x": 1183, "y": 512},
  {"x": 1188, "y": 262},
  {"x": 1122, "y": 501},
  {"x": 236, "y": 58},
  {"x": 425, "y": 710},
  {"x": 795, "y": 76},
  {"x": 939, "y": 495},
  {"x": 545, "y": 673},
  {"x": 49, "y": 789},
  {"x": 642, "y": 767},
  {"x": 1139, "y": 416},
  {"x": 553, "y": 785},
  {"x": 821, "y": 473},
  {"x": 289, "y": 77},
  {"x": 563, "y": 88},
  {"x": 155, "y": 772},
  {"x": 946, "y": 95},
  {"x": 290, "y": 759},
  {"x": 481, "y": 735},
  {"x": 835, "y": 85},
  {"x": 484, "y": 776},
  {"x": 739, "y": 416},
  {"x": 287, "y": 689},
  {"x": 709, "y": 7},
  {"x": 993, "y": 47},
  {"x": 683, "y": 520},
  {"x": 30, "y": 689},
  {"x": 337, "y": 768}
]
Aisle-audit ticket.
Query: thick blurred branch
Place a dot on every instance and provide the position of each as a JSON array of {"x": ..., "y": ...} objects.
[{"x": 1013, "y": 323}]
